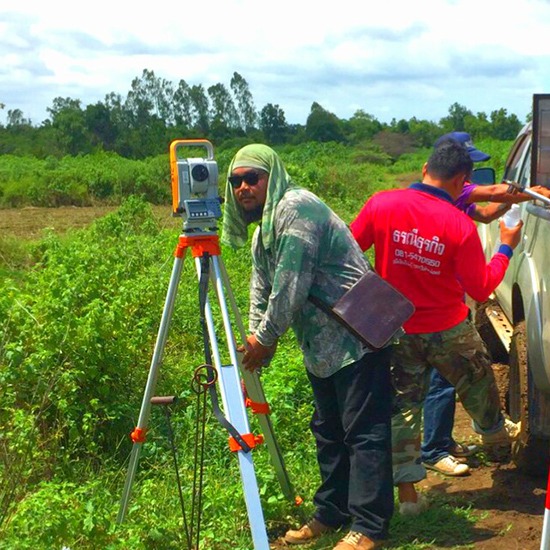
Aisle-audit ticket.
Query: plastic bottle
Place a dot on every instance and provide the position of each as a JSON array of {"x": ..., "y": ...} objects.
[{"x": 513, "y": 216}]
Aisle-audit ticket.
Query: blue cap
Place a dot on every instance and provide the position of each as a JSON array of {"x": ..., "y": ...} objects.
[{"x": 463, "y": 137}]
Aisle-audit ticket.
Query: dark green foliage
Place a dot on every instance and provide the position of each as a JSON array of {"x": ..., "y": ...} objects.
[
  {"x": 323, "y": 126},
  {"x": 273, "y": 124},
  {"x": 81, "y": 180}
]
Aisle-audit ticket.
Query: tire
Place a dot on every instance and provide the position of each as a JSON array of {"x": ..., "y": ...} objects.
[{"x": 530, "y": 453}]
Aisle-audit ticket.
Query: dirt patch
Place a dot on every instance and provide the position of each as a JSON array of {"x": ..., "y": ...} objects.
[
  {"x": 514, "y": 504},
  {"x": 29, "y": 223}
]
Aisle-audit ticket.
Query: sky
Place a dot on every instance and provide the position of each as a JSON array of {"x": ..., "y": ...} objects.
[{"x": 392, "y": 59}]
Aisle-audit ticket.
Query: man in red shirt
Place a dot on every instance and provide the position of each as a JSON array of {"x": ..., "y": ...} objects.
[{"x": 431, "y": 252}]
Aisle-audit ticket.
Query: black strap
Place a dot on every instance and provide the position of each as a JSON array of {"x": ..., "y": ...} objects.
[{"x": 321, "y": 305}]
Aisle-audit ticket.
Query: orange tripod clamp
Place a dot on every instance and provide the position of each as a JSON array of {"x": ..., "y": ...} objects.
[
  {"x": 250, "y": 439},
  {"x": 199, "y": 245}
]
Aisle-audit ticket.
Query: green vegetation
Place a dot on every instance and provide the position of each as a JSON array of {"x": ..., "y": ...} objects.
[
  {"x": 105, "y": 178},
  {"x": 78, "y": 320},
  {"x": 329, "y": 169},
  {"x": 155, "y": 111}
]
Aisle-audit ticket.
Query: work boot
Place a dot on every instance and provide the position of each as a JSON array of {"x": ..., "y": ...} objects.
[
  {"x": 308, "y": 532},
  {"x": 357, "y": 541},
  {"x": 508, "y": 433},
  {"x": 449, "y": 466}
]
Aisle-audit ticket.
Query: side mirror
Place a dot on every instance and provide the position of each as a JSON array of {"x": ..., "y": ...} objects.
[{"x": 483, "y": 176}]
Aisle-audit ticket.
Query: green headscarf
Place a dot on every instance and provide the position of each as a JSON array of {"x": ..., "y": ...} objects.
[{"x": 262, "y": 157}]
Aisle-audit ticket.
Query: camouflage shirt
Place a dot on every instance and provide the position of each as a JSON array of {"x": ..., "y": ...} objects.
[{"x": 312, "y": 252}]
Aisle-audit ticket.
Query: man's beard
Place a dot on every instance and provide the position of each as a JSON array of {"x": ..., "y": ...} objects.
[{"x": 254, "y": 215}]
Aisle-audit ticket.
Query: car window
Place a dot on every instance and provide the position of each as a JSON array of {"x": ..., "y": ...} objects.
[{"x": 514, "y": 162}]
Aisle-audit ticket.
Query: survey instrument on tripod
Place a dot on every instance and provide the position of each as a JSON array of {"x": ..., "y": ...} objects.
[{"x": 195, "y": 199}]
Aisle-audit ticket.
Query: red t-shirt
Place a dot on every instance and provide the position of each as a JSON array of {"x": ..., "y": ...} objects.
[{"x": 430, "y": 251}]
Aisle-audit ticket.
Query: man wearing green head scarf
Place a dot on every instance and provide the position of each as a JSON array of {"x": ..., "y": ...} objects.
[{"x": 301, "y": 248}]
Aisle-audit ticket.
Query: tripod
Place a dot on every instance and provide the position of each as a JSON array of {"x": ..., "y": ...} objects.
[{"x": 205, "y": 249}]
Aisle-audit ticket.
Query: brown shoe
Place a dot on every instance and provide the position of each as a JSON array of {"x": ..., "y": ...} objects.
[
  {"x": 357, "y": 541},
  {"x": 308, "y": 532},
  {"x": 462, "y": 451}
]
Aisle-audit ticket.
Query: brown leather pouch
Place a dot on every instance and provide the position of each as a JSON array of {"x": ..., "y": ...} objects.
[{"x": 372, "y": 310}]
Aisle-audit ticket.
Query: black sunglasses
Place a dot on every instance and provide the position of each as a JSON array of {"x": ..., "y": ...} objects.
[{"x": 250, "y": 178}]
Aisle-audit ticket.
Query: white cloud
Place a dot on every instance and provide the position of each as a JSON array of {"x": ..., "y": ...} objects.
[{"x": 396, "y": 59}]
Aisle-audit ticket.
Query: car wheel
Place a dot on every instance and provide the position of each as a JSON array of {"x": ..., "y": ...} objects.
[{"x": 530, "y": 453}]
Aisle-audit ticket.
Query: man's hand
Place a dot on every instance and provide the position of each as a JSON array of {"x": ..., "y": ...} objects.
[
  {"x": 541, "y": 190},
  {"x": 510, "y": 235},
  {"x": 256, "y": 355}
]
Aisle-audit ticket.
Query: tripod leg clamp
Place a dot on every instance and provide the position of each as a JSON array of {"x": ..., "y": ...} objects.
[
  {"x": 250, "y": 439},
  {"x": 138, "y": 435},
  {"x": 257, "y": 408}
]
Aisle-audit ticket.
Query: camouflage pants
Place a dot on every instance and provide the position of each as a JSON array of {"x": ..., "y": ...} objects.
[{"x": 459, "y": 355}]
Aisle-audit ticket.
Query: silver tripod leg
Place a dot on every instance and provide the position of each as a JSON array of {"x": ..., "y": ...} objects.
[
  {"x": 234, "y": 407},
  {"x": 145, "y": 410},
  {"x": 256, "y": 393},
  {"x": 230, "y": 389}
]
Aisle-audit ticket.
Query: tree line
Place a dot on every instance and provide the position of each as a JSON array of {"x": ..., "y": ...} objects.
[{"x": 155, "y": 111}]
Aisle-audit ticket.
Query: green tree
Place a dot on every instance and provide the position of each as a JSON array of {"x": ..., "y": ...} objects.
[
  {"x": 200, "y": 107},
  {"x": 424, "y": 132},
  {"x": 400, "y": 126},
  {"x": 504, "y": 126},
  {"x": 322, "y": 125},
  {"x": 183, "y": 106},
  {"x": 362, "y": 126},
  {"x": 16, "y": 119},
  {"x": 455, "y": 121},
  {"x": 477, "y": 126},
  {"x": 102, "y": 129},
  {"x": 246, "y": 110},
  {"x": 223, "y": 114},
  {"x": 150, "y": 97},
  {"x": 148, "y": 108},
  {"x": 17, "y": 136},
  {"x": 121, "y": 120},
  {"x": 273, "y": 124},
  {"x": 69, "y": 125}
]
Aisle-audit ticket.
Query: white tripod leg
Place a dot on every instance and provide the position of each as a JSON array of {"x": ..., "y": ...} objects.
[
  {"x": 138, "y": 435},
  {"x": 234, "y": 408},
  {"x": 255, "y": 391}
]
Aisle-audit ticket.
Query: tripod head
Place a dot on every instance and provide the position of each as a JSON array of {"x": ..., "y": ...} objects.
[{"x": 195, "y": 195}]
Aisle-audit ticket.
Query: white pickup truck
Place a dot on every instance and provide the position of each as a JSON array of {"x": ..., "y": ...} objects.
[{"x": 519, "y": 311}]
